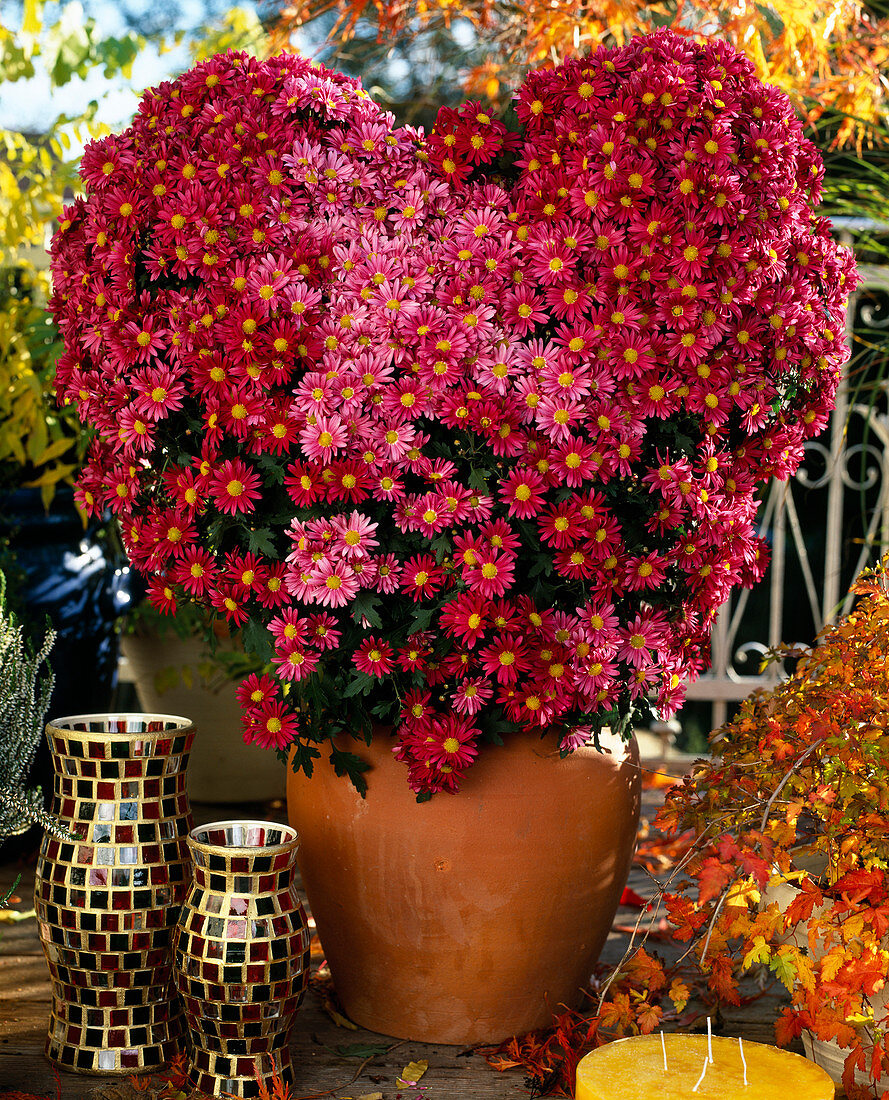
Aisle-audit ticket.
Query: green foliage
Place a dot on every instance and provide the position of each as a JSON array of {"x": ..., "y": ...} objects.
[
  {"x": 26, "y": 683},
  {"x": 39, "y": 444}
]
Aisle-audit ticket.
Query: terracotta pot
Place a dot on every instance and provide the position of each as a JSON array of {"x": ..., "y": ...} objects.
[{"x": 471, "y": 917}]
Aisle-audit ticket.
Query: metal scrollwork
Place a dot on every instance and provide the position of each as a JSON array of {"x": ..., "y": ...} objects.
[{"x": 874, "y": 310}]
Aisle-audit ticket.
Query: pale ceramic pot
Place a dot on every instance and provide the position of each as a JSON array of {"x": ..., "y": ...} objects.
[
  {"x": 223, "y": 768},
  {"x": 826, "y": 1053},
  {"x": 471, "y": 917}
]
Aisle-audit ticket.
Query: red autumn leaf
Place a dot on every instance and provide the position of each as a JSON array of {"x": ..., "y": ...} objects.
[
  {"x": 787, "y": 1028},
  {"x": 867, "y": 972},
  {"x": 878, "y": 919},
  {"x": 685, "y": 918},
  {"x": 855, "y": 1059},
  {"x": 800, "y": 909},
  {"x": 858, "y": 885},
  {"x": 755, "y": 866},
  {"x": 713, "y": 878},
  {"x": 722, "y": 979},
  {"x": 632, "y": 900},
  {"x": 727, "y": 848},
  {"x": 876, "y": 1060}
]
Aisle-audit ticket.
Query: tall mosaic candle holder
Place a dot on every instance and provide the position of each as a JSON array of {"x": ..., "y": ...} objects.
[
  {"x": 241, "y": 956},
  {"x": 107, "y": 902}
]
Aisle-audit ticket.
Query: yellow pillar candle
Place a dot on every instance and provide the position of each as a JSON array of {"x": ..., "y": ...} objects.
[{"x": 633, "y": 1069}]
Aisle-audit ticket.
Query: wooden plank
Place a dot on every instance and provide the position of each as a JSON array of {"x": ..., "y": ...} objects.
[
  {"x": 317, "y": 1046},
  {"x": 320, "y": 1049},
  {"x": 320, "y": 1052}
]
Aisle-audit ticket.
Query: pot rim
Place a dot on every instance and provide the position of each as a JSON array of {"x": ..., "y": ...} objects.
[
  {"x": 67, "y": 725},
  {"x": 291, "y": 841}
]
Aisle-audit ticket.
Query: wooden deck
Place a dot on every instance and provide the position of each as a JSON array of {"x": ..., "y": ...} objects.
[{"x": 327, "y": 1058}]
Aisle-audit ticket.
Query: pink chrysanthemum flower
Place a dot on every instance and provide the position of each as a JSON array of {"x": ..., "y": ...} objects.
[{"x": 348, "y": 377}]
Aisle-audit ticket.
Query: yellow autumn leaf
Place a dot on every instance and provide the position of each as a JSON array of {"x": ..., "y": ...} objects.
[
  {"x": 53, "y": 451},
  {"x": 741, "y": 892},
  {"x": 13, "y": 916},
  {"x": 412, "y": 1073},
  {"x": 760, "y": 952},
  {"x": 370, "y": 1096},
  {"x": 50, "y": 477},
  {"x": 830, "y": 965}
]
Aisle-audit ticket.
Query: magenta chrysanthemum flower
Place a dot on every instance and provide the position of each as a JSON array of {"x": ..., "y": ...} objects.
[{"x": 498, "y": 403}]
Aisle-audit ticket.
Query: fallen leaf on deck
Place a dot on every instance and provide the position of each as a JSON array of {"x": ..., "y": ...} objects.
[
  {"x": 659, "y": 780},
  {"x": 502, "y": 1064},
  {"x": 13, "y": 916},
  {"x": 632, "y": 900},
  {"x": 659, "y": 931},
  {"x": 370, "y": 1096},
  {"x": 334, "y": 1013},
  {"x": 412, "y": 1073},
  {"x": 362, "y": 1050}
]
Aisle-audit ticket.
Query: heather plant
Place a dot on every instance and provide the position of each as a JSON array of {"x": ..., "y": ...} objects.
[
  {"x": 26, "y": 682},
  {"x": 463, "y": 431}
]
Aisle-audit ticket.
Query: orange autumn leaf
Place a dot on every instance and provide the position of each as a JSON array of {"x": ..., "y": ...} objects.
[
  {"x": 722, "y": 980},
  {"x": 787, "y": 1028},
  {"x": 679, "y": 994},
  {"x": 646, "y": 970},
  {"x": 616, "y": 1013},
  {"x": 649, "y": 1018},
  {"x": 501, "y": 1064}
]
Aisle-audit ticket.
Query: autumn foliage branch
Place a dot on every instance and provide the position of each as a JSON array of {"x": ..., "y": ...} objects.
[
  {"x": 789, "y": 873},
  {"x": 825, "y": 56}
]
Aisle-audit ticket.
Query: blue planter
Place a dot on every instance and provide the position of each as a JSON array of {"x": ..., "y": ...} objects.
[{"x": 72, "y": 577}]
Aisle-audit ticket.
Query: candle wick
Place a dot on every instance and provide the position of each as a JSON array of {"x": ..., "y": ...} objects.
[
  {"x": 743, "y": 1059},
  {"x": 709, "y": 1043},
  {"x": 701, "y": 1078},
  {"x": 664, "y": 1049}
]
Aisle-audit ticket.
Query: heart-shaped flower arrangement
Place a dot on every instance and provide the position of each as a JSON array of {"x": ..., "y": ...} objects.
[{"x": 465, "y": 431}]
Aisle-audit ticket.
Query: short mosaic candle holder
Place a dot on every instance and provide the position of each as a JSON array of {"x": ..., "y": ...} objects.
[
  {"x": 107, "y": 903},
  {"x": 241, "y": 956}
]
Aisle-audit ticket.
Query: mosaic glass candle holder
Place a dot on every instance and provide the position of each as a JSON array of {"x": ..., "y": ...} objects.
[
  {"x": 107, "y": 902},
  {"x": 241, "y": 956}
]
